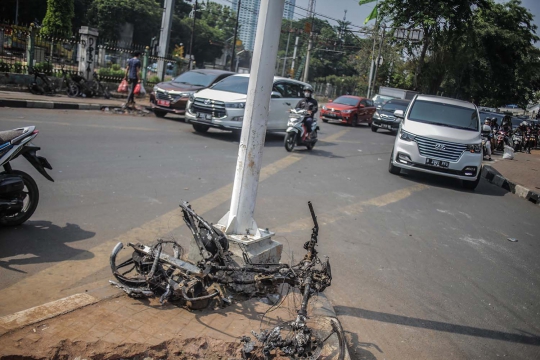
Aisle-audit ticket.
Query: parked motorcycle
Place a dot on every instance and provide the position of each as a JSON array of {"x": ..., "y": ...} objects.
[
  {"x": 517, "y": 141},
  {"x": 45, "y": 87},
  {"x": 501, "y": 135},
  {"x": 297, "y": 133},
  {"x": 19, "y": 194}
]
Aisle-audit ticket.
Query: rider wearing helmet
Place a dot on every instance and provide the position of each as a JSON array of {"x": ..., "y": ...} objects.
[
  {"x": 486, "y": 135},
  {"x": 310, "y": 104}
]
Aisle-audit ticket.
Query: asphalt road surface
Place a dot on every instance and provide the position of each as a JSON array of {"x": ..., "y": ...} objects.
[{"x": 422, "y": 268}]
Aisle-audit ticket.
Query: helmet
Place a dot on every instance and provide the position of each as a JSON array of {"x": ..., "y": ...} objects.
[{"x": 308, "y": 88}]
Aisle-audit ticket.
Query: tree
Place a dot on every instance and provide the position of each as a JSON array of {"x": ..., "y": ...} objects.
[
  {"x": 433, "y": 17},
  {"x": 58, "y": 18},
  {"x": 110, "y": 15}
]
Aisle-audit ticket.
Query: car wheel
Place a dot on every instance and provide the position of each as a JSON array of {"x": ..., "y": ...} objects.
[
  {"x": 391, "y": 167},
  {"x": 354, "y": 121},
  {"x": 160, "y": 113},
  {"x": 200, "y": 128},
  {"x": 374, "y": 128},
  {"x": 324, "y": 120},
  {"x": 471, "y": 185}
]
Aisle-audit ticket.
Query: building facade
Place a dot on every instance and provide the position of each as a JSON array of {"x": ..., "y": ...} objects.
[{"x": 249, "y": 14}]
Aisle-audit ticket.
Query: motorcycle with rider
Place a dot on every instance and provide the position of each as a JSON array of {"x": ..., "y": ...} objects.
[{"x": 302, "y": 126}]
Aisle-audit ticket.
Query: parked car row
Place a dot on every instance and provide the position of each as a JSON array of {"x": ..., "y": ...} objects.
[{"x": 436, "y": 135}]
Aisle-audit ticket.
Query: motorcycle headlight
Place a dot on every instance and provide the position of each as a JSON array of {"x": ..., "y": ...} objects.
[
  {"x": 474, "y": 148},
  {"x": 403, "y": 135},
  {"x": 237, "y": 105}
]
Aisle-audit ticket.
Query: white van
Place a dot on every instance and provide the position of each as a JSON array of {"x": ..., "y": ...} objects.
[
  {"x": 439, "y": 136},
  {"x": 222, "y": 105}
]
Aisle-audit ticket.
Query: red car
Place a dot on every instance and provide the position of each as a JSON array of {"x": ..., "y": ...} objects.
[{"x": 348, "y": 109}]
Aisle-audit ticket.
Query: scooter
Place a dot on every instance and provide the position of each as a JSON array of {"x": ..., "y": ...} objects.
[
  {"x": 19, "y": 194},
  {"x": 46, "y": 86},
  {"x": 500, "y": 140},
  {"x": 297, "y": 133},
  {"x": 517, "y": 141}
]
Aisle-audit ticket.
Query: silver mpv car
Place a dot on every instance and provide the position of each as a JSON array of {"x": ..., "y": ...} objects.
[{"x": 439, "y": 136}]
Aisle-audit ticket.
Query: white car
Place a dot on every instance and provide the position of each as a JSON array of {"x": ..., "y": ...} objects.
[
  {"x": 439, "y": 136},
  {"x": 222, "y": 105}
]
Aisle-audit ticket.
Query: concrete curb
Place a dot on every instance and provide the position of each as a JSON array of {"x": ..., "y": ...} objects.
[
  {"x": 13, "y": 103},
  {"x": 493, "y": 177}
]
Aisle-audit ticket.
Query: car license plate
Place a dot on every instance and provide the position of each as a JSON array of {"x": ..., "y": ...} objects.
[
  {"x": 384, "y": 126},
  {"x": 437, "y": 163},
  {"x": 202, "y": 116},
  {"x": 164, "y": 102},
  {"x": 331, "y": 115}
]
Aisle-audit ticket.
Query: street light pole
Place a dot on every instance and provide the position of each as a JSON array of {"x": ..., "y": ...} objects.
[
  {"x": 239, "y": 220},
  {"x": 235, "y": 34},
  {"x": 286, "y": 53},
  {"x": 192, "y": 36}
]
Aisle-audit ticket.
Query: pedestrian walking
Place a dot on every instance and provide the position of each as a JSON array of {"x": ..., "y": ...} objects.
[{"x": 132, "y": 76}]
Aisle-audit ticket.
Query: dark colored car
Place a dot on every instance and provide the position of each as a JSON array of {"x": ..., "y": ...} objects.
[
  {"x": 172, "y": 96},
  {"x": 384, "y": 116},
  {"x": 348, "y": 109}
]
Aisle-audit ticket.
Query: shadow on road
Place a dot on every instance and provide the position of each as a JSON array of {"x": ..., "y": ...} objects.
[
  {"x": 523, "y": 338},
  {"x": 358, "y": 349},
  {"x": 271, "y": 140},
  {"x": 484, "y": 187},
  {"x": 38, "y": 242}
]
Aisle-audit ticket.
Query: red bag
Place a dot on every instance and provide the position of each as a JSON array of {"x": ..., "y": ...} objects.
[
  {"x": 137, "y": 90},
  {"x": 123, "y": 87}
]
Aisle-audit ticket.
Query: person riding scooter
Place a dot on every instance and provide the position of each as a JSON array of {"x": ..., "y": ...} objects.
[
  {"x": 309, "y": 104},
  {"x": 486, "y": 136}
]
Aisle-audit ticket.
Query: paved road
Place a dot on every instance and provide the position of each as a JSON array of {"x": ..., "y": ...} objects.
[{"x": 422, "y": 269}]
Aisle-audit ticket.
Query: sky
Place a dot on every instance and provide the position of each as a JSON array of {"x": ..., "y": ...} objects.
[{"x": 357, "y": 14}]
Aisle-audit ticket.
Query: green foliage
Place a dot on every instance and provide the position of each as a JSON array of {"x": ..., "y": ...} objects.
[
  {"x": 111, "y": 72},
  {"x": 17, "y": 68},
  {"x": 58, "y": 18},
  {"x": 4, "y": 66},
  {"x": 116, "y": 67},
  {"x": 154, "y": 79},
  {"x": 110, "y": 15},
  {"x": 44, "y": 67}
]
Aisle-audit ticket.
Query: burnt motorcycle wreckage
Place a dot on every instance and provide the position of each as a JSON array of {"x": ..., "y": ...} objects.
[{"x": 217, "y": 280}]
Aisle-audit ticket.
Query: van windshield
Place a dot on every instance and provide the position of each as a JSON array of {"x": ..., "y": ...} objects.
[
  {"x": 235, "y": 84},
  {"x": 444, "y": 115}
]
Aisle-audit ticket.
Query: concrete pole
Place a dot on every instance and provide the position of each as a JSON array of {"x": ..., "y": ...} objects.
[
  {"x": 17, "y": 13},
  {"x": 239, "y": 220},
  {"x": 166, "y": 23},
  {"x": 30, "y": 49},
  {"x": 145, "y": 65},
  {"x": 235, "y": 35},
  {"x": 306, "y": 68},
  {"x": 192, "y": 35},
  {"x": 378, "y": 60},
  {"x": 294, "y": 55},
  {"x": 286, "y": 54}
]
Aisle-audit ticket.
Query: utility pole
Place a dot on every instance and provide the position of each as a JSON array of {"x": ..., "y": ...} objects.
[
  {"x": 286, "y": 53},
  {"x": 311, "y": 12},
  {"x": 294, "y": 53},
  {"x": 17, "y": 13},
  {"x": 375, "y": 36},
  {"x": 192, "y": 36},
  {"x": 235, "y": 34},
  {"x": 378, "y": 58},
  {"x": 166, "y": 23},
  {"x": 238, "y": 223}
]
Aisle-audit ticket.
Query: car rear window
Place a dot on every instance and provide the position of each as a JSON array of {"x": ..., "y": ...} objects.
[
  {"x": 346, "y": 101},
  {"x": 235, "y": 84},
  {"x": 391, "y": 106},
  {"x": 444, "y": 115},
  {"x": 195, "y": 78}
]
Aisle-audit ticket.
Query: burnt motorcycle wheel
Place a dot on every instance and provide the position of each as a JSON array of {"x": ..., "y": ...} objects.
[
  {"x": 30, "y": 201},
  {"x": 327, "y": 339},
  {"x": 106, "y": 93},
  {"x": 290, "y": 141}
]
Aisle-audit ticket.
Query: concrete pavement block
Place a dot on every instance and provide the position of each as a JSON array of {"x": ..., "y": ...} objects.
[
  {"x": 40, "y": 104},
  {"x": 498, "y": 180},
  {"x": 521, "y": 191},
  {"x": 89, "y": 107}
]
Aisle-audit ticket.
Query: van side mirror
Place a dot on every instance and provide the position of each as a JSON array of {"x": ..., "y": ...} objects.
[
  {"x": 275, "y": 94},
  {"x": 399, "y": 114}
]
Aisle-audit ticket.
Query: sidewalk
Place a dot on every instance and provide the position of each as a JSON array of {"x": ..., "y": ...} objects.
[
  {"x": 117, "y": 326},
  {"x": 520, "y": 176},
  {"x": 27, "y": 100}
]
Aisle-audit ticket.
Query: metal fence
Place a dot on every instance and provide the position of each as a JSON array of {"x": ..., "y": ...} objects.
[{"x": 13, "y": 48}]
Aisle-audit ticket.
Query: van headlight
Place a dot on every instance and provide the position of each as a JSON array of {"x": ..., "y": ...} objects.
[
  {"x": 191, "y": 97},
  {"x": 474, "y": 148},
  {"x": 235, "y": 105},
  {"x": 403, "y": 135}
]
